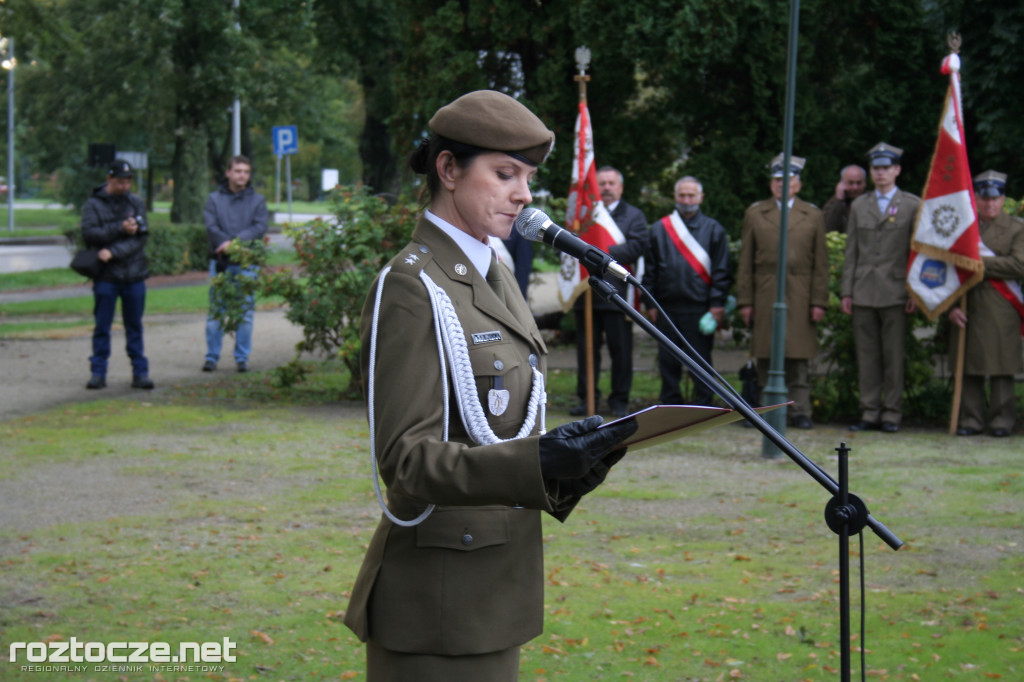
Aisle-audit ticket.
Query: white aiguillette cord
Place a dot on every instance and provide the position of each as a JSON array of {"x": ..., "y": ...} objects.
[{"x": 451, "y": 340}]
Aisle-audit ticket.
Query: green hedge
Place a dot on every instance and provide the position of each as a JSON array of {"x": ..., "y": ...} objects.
[{"x": 171, "y": 248}]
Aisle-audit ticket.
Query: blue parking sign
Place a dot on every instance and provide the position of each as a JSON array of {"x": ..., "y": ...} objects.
[{"x": 286, "y": 140}]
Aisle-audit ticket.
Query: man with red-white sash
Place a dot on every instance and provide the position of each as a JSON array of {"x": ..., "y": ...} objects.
[
  {"x": 994, "y": 318},
  {"x": 688, "y": 271}
]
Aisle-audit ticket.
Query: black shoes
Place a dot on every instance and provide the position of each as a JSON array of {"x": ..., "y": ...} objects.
[
  {"x": 138, "y": 381},
  {"x": 209, "y": 366},
  {"x": 886, "y": 427},
  {"x": 242, "y": 366},
  {"x": 970, "y": 431}
]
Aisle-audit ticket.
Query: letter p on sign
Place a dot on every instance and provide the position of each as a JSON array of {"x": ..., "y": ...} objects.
[{"x": 286, "y": 140}]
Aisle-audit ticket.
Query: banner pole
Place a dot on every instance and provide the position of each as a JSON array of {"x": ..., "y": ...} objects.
[
  {"x": 958, "y": 375},
  {"x": 582, "y": 60}
]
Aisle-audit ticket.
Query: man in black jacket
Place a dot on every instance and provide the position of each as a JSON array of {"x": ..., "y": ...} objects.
[
  {"x": 114, "y": 223},
  {"x": 688, "y": 272},
  {"x": 609, "y": 321}
]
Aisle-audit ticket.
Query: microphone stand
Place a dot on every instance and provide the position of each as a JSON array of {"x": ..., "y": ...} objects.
[{"x": 845, "y": 513}]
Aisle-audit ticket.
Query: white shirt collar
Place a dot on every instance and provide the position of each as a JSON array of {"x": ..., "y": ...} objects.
[
  {"x": 778, "y": 204},
  {"x": 478, "y": 253},
  {"x": 611, "y": 206},
  {"x": 888, "y": 195}
]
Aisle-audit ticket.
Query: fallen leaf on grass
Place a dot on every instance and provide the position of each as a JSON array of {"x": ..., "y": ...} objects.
[{"x": 267, "y": 639}]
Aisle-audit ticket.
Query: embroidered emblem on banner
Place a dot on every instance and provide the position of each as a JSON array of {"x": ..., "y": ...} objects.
[
  {"x": 497, "y": 401},
  {"x": 933, "y": 273},
  {"x": 486, "y": 337},
  {"x": 945, "y": 220}
]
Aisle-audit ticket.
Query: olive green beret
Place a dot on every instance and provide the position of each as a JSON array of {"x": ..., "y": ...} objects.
[{"x": 492, "y": 120}]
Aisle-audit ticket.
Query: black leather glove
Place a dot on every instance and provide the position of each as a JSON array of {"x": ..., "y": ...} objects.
[
  {"x": 573, "y": 449},
  {"x": 578, "y": 487}
]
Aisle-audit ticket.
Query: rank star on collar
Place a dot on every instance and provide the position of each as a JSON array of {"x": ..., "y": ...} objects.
[{"x": 411, "y": 258}]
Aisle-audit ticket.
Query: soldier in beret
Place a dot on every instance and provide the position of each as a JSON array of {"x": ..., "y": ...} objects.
[
  {"x": 874, "y": 292},
  {"x": 452, "y": 584},
  {"x": 993, "y": 317},
  {"x": 806, "y": 283}
]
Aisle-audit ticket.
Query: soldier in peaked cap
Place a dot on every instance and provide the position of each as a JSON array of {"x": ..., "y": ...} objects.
[
  {"x": 806, "y": 283},
  {"x": 453, "y": 364},
  {"x": 993, "y": 318},
  {"x": 874, "y": 289}
]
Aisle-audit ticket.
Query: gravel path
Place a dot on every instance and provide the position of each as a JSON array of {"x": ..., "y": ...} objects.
[{"x": 39, "y": 374}]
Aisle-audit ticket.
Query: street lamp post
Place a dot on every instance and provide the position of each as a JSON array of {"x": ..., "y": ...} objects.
[
  {"x": 236, "y": 107},
  {"x": 7, "y": 47}
]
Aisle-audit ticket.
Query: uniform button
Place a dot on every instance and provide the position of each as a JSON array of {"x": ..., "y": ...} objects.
[
  {"x": 533, "y": 359},
  {"x": 499, "y": 365},
  {"x": 424, "y": 249},
  {"x": 467, "y": 539}
]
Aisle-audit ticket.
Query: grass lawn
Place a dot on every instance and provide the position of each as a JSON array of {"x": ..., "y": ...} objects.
[{"x": 240, "y": 510}]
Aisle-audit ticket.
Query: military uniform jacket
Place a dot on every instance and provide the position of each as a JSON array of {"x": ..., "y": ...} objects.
[
  {"x": 877, "y": 250},
  {"x": 469, "y": 579},
  {"x": 806, "y": 274},
  {"x": 993, "y": 324}
]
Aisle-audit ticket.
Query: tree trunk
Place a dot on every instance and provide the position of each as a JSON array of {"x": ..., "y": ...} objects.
[
  {"x": 380, "y": 171},
  {"x": 191, "y": 175}
]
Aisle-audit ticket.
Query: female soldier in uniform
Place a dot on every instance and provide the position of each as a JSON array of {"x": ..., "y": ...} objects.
[{"x": 452, "y": 582}]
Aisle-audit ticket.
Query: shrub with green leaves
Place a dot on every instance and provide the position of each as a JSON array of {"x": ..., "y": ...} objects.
[{"x": 338, "y": 260}]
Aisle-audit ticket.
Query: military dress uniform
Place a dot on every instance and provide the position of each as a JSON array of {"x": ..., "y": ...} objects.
[
  {"x": 875, "y": 276},
  {"x": 994, "y": 324},
  {"x": 806, "y": 287},
  {"x": 468, "y": 581}
]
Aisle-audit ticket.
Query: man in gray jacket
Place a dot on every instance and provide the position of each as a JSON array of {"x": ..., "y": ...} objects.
[{"x": 234, "y": 211}]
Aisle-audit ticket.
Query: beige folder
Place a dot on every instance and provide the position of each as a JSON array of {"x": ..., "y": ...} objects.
[{"x": 664, "y": 423}]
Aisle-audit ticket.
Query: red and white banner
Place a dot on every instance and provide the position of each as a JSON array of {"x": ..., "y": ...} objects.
[
  {"x": 944, "y": 259},
  {"x": 587, "y": 215}
]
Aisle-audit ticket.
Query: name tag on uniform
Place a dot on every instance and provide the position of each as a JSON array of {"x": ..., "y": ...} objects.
[{"x": 486, "y": 337}]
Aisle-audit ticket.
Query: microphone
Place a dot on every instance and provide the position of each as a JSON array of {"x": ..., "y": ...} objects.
[{"x": 535, "y": 225}]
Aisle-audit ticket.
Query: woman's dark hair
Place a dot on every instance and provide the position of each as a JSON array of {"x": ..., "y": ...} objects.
[{"x": 423, "y": 160}]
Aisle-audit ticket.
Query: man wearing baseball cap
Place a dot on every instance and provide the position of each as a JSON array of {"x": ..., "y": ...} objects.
[{"x": 114, "y": 223}]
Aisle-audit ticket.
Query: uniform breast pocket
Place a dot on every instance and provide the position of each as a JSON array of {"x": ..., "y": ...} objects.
[{"x": 501, "y": 380}]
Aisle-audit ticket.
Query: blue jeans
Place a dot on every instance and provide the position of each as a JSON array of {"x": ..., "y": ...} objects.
[
  {"x": 133, "y": 304},
  {"x": 214, "y": 333}
]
